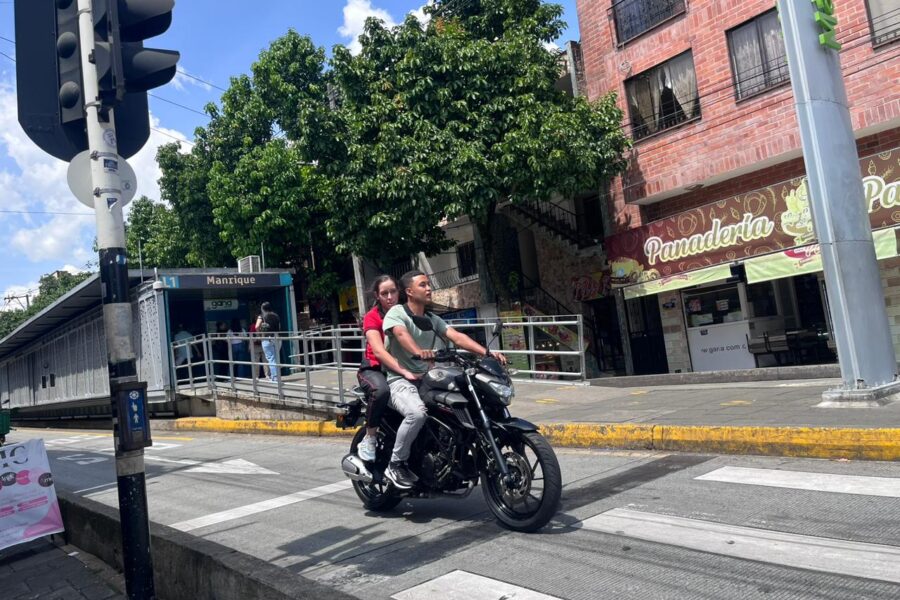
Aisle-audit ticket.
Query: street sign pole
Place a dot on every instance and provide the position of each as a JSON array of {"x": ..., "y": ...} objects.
[
  {"x": 853, "y": 283},
  {"x": 128, "y": 397}
]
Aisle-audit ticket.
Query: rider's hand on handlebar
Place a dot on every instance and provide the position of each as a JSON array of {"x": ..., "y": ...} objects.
[
  {"x": 500, "y": 357},
  {"x": 425, "y": 355}
]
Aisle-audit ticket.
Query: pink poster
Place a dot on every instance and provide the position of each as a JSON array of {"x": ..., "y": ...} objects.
[{"x": 28, "y": 505}]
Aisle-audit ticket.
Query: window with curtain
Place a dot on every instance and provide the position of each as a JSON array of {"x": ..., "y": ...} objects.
[
  {"x": 884, "y": 16},
  {"x": 663, "y": 97},
  {"x": 634, "y": 17},
  {"x": 758, "y": 59}
]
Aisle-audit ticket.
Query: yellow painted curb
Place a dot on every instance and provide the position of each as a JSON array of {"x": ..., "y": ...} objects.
[
  {"x": 808, "y": 442},
  {"x": 587, "y": 435},
  {"x": 304, "y": 428}
]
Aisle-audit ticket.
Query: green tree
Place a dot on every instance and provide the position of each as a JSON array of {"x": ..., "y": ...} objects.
[
  {"x": 267, "y": 184},
  {"x": 185, "y": 177},
  {"x": 456, "y": 118},
  {"x": 154, "y": 236}
]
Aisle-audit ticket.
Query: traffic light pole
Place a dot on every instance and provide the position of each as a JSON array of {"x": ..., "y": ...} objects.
[
  {"x": 117, "y": 318},
  {"x": 855, "y": 295}
]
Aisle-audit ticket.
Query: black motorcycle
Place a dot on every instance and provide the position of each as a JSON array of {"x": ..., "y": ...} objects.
[{"x": 469, "y": 435}]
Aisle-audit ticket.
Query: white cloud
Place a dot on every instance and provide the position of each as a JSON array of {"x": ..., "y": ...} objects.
[
  {"x": 73, "y": 269},
  {"x": 552, "y": 46},
  {"x": 32, "y": 180},
  {"x": 420, "y": 13},
  {"x": 355, "y": 14},
  {"x": 184, "y": 78}
]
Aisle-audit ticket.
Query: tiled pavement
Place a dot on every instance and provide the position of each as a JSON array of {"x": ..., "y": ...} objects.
[{"x": 41, "y": 570}]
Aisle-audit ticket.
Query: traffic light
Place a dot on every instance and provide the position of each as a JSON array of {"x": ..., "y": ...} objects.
[
  {"x": 48, "y": 76},
  {"x": 50, "y": 79}
]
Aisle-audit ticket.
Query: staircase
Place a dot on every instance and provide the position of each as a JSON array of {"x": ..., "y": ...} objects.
[
  {"x": 554, "y": 220},
  {"x": 530, "y": 292}
]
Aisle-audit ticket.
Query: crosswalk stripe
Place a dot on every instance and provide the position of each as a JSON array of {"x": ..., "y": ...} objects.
[
  {"x": 801, "y": 480},
  {"x": 857, "y": 559},
  {"x": 258, "y": 507},
  {"x": 461, "y": 585}
]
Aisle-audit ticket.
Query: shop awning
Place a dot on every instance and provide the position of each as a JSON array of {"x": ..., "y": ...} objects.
[
  {"x": 677, "y": 282},
  {"x": 808, "y": 259}
]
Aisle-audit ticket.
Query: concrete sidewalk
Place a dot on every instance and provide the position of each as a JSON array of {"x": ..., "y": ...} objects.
[
  {"x": 771, "y": 418},
  {"x": 41, "y": 570}
]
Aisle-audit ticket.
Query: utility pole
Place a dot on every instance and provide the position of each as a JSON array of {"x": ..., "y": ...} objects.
[
  {"x": 117, "y": 317},
  {"x": 82, "y": 80},
  {"x": 855, "y": 296}
]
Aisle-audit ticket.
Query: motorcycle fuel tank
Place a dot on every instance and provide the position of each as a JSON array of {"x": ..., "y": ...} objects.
[{"x": 442, "y": 378}]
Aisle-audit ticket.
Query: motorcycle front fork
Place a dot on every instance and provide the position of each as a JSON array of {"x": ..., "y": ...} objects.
[{"x": 487, "y": 433}]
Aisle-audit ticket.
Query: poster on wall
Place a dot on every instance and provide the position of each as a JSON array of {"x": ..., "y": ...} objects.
[
  {"x": 28, "y": 505},
  {"x": 513, "y": 338},
  {"x": 720, "y": 347}
]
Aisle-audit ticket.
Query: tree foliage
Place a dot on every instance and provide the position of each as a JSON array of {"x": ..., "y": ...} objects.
[
  {"x": 457, "y": 117},
  {"x": 154, "y": 237}
]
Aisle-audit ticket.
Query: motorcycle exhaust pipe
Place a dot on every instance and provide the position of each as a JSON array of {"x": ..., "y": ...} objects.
[{"x": 355, "y": 469}]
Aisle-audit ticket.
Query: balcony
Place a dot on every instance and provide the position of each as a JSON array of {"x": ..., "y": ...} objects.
[{"x": 635, "y": 17}]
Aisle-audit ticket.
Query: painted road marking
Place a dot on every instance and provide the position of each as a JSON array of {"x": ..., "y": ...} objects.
[
  {"x": 800, "y": 480},
  {"x": 96, "y": 487},
  {"x": 460, "y": 585},
  {"x": 238, "y": 466},
  {"x": 265, "y": 505},
  {"x": 547, "y": 401},
  {"x": 856, "y": 559},
  {"x": 639, "y": 393},
  {"x": 737, "y": 403}
]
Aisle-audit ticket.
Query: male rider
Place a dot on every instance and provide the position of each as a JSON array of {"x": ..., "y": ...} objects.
[{"x": 405, "y": 340}]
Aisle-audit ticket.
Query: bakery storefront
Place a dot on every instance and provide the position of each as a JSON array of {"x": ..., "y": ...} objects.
[{"x": 738, "y": 284}]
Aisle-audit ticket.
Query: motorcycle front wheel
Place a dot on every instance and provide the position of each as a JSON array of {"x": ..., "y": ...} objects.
[
  {"x": 531, "y": 498},
  {"x": 376, "y": 497}
]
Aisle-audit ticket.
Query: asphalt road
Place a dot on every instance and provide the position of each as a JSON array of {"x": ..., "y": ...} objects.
[{"x": 632, "y": 524}]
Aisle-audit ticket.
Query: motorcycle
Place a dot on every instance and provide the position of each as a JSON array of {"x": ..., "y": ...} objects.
[{"x": 468, "y": 437}]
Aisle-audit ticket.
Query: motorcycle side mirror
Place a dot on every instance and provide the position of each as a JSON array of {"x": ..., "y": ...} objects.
[
  {"x": 498, "y": 327},
  {"x": 423, "y": 323}
]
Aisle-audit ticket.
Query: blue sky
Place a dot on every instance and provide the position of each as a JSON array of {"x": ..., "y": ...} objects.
[{"x": 43, "y": 227}]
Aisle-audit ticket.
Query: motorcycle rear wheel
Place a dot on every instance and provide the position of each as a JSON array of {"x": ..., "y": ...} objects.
[
  {"x": 529, "y": 504},
  {"x": 376, "y": 497}
]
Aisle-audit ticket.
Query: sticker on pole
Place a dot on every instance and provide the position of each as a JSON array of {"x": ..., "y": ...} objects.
[
  {"x": 80, "y": 182},
  {"x": 28, "y": 505}
]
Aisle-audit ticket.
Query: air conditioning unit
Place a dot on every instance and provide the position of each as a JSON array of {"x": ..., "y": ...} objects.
[{"x": 249, "y": 264}]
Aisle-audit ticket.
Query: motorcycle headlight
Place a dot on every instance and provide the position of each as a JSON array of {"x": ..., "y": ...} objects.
[{"x": 505, "y": 392}]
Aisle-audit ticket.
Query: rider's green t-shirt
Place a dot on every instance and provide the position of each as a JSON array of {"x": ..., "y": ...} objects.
[{"x": 426, "y": 340}]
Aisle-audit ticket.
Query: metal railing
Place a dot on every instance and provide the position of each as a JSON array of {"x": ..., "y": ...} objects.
[
  {"x": 634, "y": 17},
  {"x": 557, "y": 219},
  {"x": 450, "y": 278},
  {"x": 317, "y": 368}
]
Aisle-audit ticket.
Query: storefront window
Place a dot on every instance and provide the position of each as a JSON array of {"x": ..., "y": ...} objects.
[
  {"x": 761, "y": 300},
  {"x": 712, "y": 306}
]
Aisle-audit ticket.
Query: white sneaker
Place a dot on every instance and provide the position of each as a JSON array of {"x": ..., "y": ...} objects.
[{"x": 366, "y": 448}]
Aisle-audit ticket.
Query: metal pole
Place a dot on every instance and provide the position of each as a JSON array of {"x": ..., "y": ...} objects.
[
  {"x": 838, "y": 206},
  {"x": 360, "y": 285},
  {"x": 581, "y": 350},
  {"x": 532, "y": 358},
  {"x": 105, "y": 179}
]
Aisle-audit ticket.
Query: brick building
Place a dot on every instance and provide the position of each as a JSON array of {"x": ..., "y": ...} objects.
[{"x": 707, "y": 98}]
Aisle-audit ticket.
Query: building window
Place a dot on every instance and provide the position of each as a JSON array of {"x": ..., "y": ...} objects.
[
  {"x": 465, "y": 258},
  {"x": 884, "y": 17},
  {"x": 758, "y": 59},
  {"x": 634, "y": 17},
  {"x": 663, "y": 96}
]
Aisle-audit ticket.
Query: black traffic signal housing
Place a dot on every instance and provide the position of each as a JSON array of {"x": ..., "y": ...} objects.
[
  {"x": 50, "y": 79},
  {"x": 48, "y": 76}
]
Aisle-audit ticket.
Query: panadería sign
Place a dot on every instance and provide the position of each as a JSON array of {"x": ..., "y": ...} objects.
[{"x": 764, "y": 221}]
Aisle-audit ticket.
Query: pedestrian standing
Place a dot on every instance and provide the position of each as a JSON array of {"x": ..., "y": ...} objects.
[{"x": 269, "y": 324}]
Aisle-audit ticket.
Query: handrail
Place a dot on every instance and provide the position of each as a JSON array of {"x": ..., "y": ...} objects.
[{"x": 558, "y": 219}]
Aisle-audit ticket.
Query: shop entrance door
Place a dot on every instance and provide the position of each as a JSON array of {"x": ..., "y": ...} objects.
[
  {"x": 648, "y": 347},
  {"x": 607, "y": 342}
]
